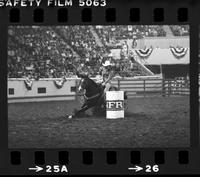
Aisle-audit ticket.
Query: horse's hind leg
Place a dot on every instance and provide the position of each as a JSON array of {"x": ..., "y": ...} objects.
[
  {"x": 125, "y": 95},
  {"x": 99, "y": 108},
  {"x": 83, "y": 109}
]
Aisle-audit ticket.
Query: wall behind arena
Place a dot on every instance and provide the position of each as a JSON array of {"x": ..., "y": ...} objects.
[
  {"x": 170, "y": 71},
  {"x": 42, "y": 90}
]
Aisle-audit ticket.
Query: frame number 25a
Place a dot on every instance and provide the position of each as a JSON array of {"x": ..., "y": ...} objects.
[{"x": 56, "y": 169}]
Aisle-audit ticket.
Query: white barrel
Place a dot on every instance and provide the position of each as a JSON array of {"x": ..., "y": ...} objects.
[{"x": 114, "y": 104}]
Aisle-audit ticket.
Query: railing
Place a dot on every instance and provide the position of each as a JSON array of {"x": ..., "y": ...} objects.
[
  {"x": 176, "y": 87},
  {"x": 153, "y": 87}
]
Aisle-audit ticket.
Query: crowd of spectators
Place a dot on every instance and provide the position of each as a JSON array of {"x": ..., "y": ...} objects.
[
  {"x": 81, "y": 39},
  {"x": 112, "y": 34},
  {"x": 38, "y": 52},
  {"x": 180, "y": 30},
  {"x": 53, "y": 52}
]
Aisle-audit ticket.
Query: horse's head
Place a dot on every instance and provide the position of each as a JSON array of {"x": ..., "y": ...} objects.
[
  {"x": 88, "y": 85},
  {"x": 83, "y": 85}
]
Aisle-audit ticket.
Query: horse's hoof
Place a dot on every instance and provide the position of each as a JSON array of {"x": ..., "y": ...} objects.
[{"x": 70, "y": 116}]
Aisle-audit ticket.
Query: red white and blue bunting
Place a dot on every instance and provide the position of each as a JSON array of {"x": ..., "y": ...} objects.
[
  {"x": 59, "y": 83},
  {"x": 179, "y": 52},
  {"x": 28, "y": 83},
  {"x": 144, "y": 53}
]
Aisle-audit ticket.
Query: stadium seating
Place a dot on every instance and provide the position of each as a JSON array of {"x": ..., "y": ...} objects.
[
  {"x": 115, "y": 33},
  {"x": 37, "y": 51},
  {"x": 48, "y": 52},
  {"x": 180, "y": 30},
  {"x": 52, "y": 52}
]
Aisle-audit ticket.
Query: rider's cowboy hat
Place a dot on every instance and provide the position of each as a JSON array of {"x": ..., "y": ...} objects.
[{"x": 107, "y": 63}]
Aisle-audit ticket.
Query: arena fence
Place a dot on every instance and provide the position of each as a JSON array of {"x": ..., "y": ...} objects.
[
  {"x": 48, "y": 90},
  {"x": 153, "y": 86}
]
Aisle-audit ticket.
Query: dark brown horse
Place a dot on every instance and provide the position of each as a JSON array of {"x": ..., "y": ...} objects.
[{"x": 94, "y": 96}]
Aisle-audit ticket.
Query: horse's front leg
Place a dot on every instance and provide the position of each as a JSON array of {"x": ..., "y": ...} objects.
[
  {"x": 87, "y": 105},
  {"x": 77, "y": 113},
  {"x": 83, "y": 109}
]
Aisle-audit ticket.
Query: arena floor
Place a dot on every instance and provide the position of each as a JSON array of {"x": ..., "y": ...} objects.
[{"x": 149, "y": 122}]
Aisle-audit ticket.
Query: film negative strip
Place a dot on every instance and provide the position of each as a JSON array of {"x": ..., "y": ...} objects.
[{"x": 99, "y": 87}]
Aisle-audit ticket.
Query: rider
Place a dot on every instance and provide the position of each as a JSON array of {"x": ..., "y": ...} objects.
[{"x": 107, "y": 73}]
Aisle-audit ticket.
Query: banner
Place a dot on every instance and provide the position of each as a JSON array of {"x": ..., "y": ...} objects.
[
  {"x": 178, "y": 52},
  {"x": 28, "y": 83},
  {"x": 59, "y": 83},
  {"x": 144, "y": 53}
]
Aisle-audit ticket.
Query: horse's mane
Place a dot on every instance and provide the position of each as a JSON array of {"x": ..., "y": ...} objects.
[
  {"x": 92, "y": 81},
  {"x": 91, "y": 87}
]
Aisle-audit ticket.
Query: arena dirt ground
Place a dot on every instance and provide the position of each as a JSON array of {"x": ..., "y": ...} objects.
[{"x": 149, "y": 122}]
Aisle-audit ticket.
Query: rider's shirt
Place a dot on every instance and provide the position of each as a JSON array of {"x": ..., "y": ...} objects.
[{"x": 107, "y": 73}]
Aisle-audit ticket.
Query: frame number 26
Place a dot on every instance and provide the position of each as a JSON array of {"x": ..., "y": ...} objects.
[{"x": 152, "y": 169}]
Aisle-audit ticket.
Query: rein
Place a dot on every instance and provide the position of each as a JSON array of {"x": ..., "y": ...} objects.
[{"x": 94, "y": 96}]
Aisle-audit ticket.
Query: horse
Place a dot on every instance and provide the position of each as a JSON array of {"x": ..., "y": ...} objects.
[{"x": 94, "y": 96}]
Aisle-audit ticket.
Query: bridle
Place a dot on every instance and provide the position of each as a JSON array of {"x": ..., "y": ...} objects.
[{"x": 91, "y": 97}]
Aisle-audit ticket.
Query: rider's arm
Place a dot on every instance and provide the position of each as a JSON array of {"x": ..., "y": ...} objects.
[
  {"x": 107, "y": 80},
  {"x": 111, "y": 75},
  {"x": 77, "y": 73},
  {"x": 80, "y": 75}
]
